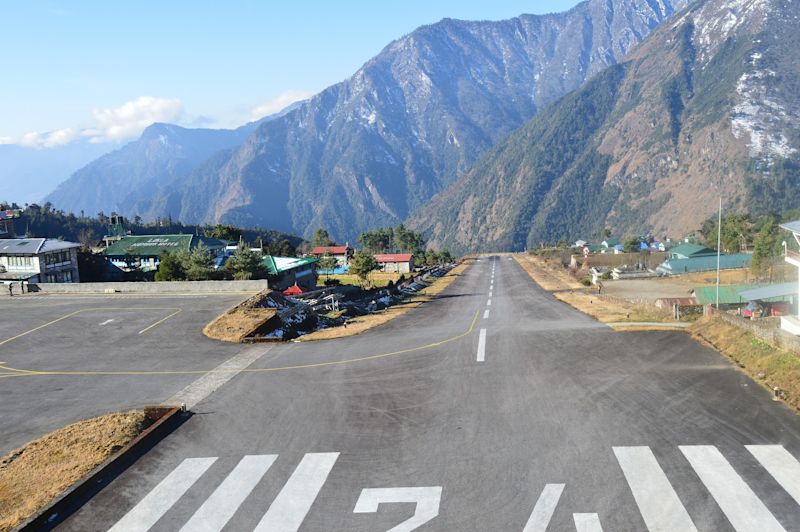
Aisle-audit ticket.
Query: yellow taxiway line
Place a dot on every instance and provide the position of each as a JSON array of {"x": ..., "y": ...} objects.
[{"x": 30, "y": 373}]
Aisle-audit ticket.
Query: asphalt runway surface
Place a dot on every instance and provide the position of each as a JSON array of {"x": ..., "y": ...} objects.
[
  {"x": 494, "y": 408},
  {"x": 86, "y": 334}
]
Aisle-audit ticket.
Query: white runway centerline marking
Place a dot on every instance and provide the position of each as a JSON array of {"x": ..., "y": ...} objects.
[
  {"x": 781, "y": 465},
  {"x": 106, "y": 322},
  {"x": 482, "y": 345},
  {"x": 740, "y": 505},
  {"x": 489, "y": 303},
  {"x": 156, "y": 503},
  {"x": 658, "y": 503},
  {"x": 486, "y": 313},
  {"x": 587, "y": 523},
  {"x": 544, "y": 509},
  {"x": 289, "y": 509},
  {"x": 218, "y": 509},
  {"x": 490, "y": 293}
]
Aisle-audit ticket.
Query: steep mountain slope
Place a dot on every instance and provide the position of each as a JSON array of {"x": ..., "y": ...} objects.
[
  {"x": 371, "y": 149},
  {"x": 709, "y": 103},
  {"x": 162, "y": 153}
]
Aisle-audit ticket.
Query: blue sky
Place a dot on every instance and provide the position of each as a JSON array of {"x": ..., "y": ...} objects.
[{"x": 102, "y": 70}]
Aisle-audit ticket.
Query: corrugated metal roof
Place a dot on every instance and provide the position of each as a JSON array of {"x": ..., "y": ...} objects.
[
  {"x": 33, "y": 246},
  {"x": 333, "y": 250},
  {"x": 701, "y": 264},
  {"x": 154, "y": 245},
  {"x": 278, "y": 265},
  {"x": 692, "y": 250},
  {"x": 794, "y": 226},
  {"x": 771, "y": 291},
  {"x": 729, "y": 294},
  {"x": 394, "y": 257}
]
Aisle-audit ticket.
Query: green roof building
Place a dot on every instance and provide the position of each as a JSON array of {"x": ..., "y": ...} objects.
[
  {"x": 143, "y": 251},
  {"x": 284, "y": 272},
  {"x": 690, "y": 251}
]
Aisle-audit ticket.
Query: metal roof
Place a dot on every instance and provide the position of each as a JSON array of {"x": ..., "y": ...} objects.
[
  {"x": 692, "y": 250},
  {"x": 772, "y": 291},
  {"x": 33, "y": 246},
  {"x": 794, "y": 226},
  {"x": 278, "y": 265},
  {"x": 154, "y": 245},
  {"x": 333, "y": 250},
  {"x": 394, "y": 257},
  {"x": 728, "y": 293},
  {"x": 706, "y": 263}
]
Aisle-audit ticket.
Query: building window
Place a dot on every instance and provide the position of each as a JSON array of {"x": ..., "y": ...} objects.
[{"x": 19, "y": 263}]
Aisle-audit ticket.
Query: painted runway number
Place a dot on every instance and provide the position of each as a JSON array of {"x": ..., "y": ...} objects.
[{"x": 427, "y": 504}]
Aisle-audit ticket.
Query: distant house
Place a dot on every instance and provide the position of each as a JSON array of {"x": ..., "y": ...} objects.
[
  {"x": 142, "y": 252},
  {"x": 39, "y": 260},
  {"x": 396, "y": 262},
  {"x": 284, "y": 272},
  {"x": 609, "y": 243},
  {"x": 691, "y": 251},
  {"x": 579, "y": 243},
  {"x": 342, "y": 254}
]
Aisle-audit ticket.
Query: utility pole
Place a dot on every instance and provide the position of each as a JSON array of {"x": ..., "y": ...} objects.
[{"x": 719, "y": 243}]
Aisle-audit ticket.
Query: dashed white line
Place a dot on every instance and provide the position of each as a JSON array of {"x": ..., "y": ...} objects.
[
  {"x": 482, "y": 346},
  {"x": 587, "y": 523},
  {"x": 486, "y": 313},
  {"x": 781, "y": 465},
  {"x": 490, "y": 293},
  {"x": 218, "y": 509},
  {"x": 289, "y": 509},
  {"x": 544, "y": 508},
  {"x": 658, "y": 503},
  {"x": 489, "y": 303},
  {"x": 156, "y": 503},
  {"x": 740, "y": 505}
]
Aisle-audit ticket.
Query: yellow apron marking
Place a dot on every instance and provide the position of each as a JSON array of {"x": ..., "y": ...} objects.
[{"x": 29, "y": 373}]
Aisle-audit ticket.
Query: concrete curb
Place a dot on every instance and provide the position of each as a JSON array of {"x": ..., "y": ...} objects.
[
  {"x": 166, "y": 419},
  {"x": 665, "y": 325}
]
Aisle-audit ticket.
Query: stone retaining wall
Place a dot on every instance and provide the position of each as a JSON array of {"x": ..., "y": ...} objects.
[{"x": 163, "y": 287}]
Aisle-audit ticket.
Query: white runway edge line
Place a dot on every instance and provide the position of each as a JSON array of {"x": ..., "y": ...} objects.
[
  {"x": 783, "y": 467},
  {"x": 218, "y": 509},
  {"x": 211, "y": 381},
  {"x": 587, "y": 523},
  {"x": 545, "y": 507},
  {"x": 289, "y": 509},
  {"x": 740, "y": 505},
  {"x": 486, "y": 313},
  {"x": 156, "y": 503},
  {"x": 658, "y": 503},
  {"x": 482, "y": 345}
]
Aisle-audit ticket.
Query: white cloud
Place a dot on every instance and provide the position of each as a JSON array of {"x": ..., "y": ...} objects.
[
  {"x": 110, "y": 125},
  {"x": 279, "y": 103},
  {"x": 131, "y": 118}
]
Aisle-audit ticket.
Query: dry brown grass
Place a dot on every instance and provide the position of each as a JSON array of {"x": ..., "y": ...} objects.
[
  {"x": 364, "y": 323},
  {"x": 767, "y": 365},
  {"x": 375, "y": 279},
  {"x": 34, "y": 474},
  {"x": 612, "y": 311},
  {"x": 548, "y": 276},
  {"x": 235, "y": 324}
]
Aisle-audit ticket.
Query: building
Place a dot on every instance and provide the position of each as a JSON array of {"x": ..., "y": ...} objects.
[
  {"x": 703, "y": 264},
  {"x": 39, "y": 260},
  {"x": 142, "y": 252},
  {"x": 690, "y": 251},
  {"x": 342, "y": 254},
  {"x": 396, "y": 262},
  {"x": 791, "y": 323},
  {"x": 284, "y": 272},
  {"x": 7, "y": 218}
]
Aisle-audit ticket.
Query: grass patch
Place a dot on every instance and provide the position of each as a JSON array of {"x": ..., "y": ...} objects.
[
  {"x": 365, "y": 323},
  {"x": 611, "y": 311},
  {"x": 33, "y": 475},
  {"x": 768, "y": 365}
]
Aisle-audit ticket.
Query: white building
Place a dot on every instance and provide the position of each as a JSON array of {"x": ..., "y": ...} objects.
[
  {"x": 789, "y": 323},
  {"x": 38, "y": 260}
]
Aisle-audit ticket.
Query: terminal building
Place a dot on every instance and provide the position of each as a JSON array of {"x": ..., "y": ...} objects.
[
  {"x": 142, "y": 252},
  {"x": 38, "y": 260}
]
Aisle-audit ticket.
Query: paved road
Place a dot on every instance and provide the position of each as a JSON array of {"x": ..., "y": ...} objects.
[
  {"x": 98, "y": 333},
  {"x": 526, "y": 416}
]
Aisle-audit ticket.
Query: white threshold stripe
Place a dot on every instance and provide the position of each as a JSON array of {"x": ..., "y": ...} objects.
[
  {"x": 486, "y": 313},
  {"x": 658, "y": 503},
  {"x": 783, "y": 467},
  {"x": 587, "y": 523},
  {"x": 290, "y": 507},
  {"x": 156, "y": 503},
  {"x": 218, "y": 509},
  {"x": 741, "y": 506},
  {"x": 545, "y": 507},
  {"x": 482, "y": 345},
  {"x": 214, "y": 379}
]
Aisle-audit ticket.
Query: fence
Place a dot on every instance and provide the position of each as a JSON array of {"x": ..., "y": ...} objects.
[{"x": 766, "y": 329}]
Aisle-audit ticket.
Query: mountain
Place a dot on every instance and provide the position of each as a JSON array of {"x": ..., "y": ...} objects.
[
  {"x": 368, "y": 151},
  {"x": 27, "y": 174},
  {"x": 121, "y": 178},
  {"x": 708, "y": 104}
]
